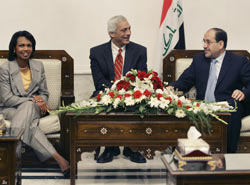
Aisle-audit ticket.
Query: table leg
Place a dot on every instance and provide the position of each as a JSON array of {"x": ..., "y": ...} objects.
[{"x": 72, "y": 165}]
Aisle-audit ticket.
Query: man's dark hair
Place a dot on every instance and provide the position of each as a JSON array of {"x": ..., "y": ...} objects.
[
  {"x": 220, "y": 34},
  {"x": 13, "y": 42}
]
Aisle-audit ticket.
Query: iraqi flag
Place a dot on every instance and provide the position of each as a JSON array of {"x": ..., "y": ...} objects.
[{"x": 171, "y": 31}]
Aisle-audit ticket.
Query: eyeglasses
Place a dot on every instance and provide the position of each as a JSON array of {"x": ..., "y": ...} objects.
[{"x": 208, "y": 42}]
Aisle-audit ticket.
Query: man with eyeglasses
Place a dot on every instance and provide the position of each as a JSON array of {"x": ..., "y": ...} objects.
[{"x": 219, "y": 75}]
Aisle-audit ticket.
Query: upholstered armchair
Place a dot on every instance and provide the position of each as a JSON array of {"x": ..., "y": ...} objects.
[
  {"x": 58, "y": 67},
  {"x": 173, "y": 66}
]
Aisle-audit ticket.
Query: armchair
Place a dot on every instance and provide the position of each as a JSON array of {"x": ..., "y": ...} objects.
[{"x": 177, "y": 61}]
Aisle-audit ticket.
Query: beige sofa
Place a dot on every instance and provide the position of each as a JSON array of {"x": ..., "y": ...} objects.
[
  {"x": 177, "y": 61},
  {"x": 58, "y": 67}
]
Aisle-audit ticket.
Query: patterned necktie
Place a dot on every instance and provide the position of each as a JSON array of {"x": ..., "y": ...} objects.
[
  {"x": 212, "y": 80},
  {"x": 118, "y": 65}
]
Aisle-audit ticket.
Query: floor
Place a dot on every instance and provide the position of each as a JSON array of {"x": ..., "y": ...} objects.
[{"x": 121, "y": 171}]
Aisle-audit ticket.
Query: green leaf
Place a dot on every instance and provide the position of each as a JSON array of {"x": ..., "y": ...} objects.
[{"x": 142, "y": 108}]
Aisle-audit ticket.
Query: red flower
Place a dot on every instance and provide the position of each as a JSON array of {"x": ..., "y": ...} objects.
[
  {"x": 147, "y": 93},
  {"x": 155, "y": 73},
  {"x": 197, "y": 104},
  {"x": 188, "y": 107},
  {"x": 127, "y": 95},
  {"x": 98, "y": 97},
  {"x": 179, "y": 103},
  {"x": 141, "y": 74},
  {"x": 131, "y": 77},
  {"x": 137, "y": 94},
  {"x": 119, "y": 96},
  {"x": 168, "y": 98},
  {"x": 157, "y": 82},
  {"x": 159, "y": 95},
  {"x": 111, "y": 94},
  {"x": 122, "y": 84}
]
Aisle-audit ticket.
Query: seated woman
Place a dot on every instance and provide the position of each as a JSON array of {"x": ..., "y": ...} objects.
[{"x": 24, "y": 96}]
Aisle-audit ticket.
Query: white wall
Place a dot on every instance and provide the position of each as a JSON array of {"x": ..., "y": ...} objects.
[
  {"x": 78, "y": 25},
  {"x": 231, "y": 15}
]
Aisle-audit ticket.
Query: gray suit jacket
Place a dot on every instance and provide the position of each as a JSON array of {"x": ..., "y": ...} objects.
[{"x": 12, "y": 91}]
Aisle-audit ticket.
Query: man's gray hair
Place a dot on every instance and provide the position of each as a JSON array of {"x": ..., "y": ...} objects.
[{"x": 113, "y": 21}]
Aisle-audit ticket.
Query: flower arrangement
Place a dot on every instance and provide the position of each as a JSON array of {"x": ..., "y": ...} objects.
[{"x": 144, "y": 93}]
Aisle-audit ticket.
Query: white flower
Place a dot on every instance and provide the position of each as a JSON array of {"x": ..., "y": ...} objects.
[
  {"x": 154, "y": 102},
  {"x": 116, "y": 102},
  {"x": 106, "y": 100},
  {"x": 84, "y": 103},
  {"x": 122, "y": 91},
  {"x": 142, "y": 85},
  {"x": 159, "y": 91},
  {"x": 205, "y": 108},
  {"x": 180, "y": 113},
  {"x": 223, "y": 105},
  {"x": 113, "y": 87},
  {"x": 93, "y": 104},
  {"x": 213, "y": 107},
  {"x": 195, "y": 110},
  {"x": 138, "y": 100},
  {"x": 129, "y": 101},
  {"x": 164, "y": 103},
  {"x": 185, "y": 101},
  {"x": 174, "y": 97}
]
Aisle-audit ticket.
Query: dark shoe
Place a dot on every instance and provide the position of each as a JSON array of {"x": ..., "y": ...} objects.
[
  {"x": 97, "y": 151},
  {"x": 108, "y": 154},
  {"x": 115, "y": 150},
  {"x": 66, "y": 173},
  {"x": 134, "y": 156},
  {"x": 105, "y": 157}
]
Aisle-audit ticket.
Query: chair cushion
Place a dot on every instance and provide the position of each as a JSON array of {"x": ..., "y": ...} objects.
[
  {"x": 53, "y": 136},
  {"x": 244, "y": 134},
  {"x": 52, "y": 69},
  {"x": 181, "y": 65},
  {"x": 245, "y": 124}
]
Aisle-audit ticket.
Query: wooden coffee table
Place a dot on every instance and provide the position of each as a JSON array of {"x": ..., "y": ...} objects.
[
  {"x": 153, "y": 132},
  {"x": 205, "y": 176},
  {"x": 10, "y": 157}
]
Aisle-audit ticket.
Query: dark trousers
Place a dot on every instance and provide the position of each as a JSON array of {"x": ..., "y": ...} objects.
[{"x": 234, "y": 125}]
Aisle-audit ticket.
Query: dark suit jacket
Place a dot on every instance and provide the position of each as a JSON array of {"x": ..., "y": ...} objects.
[
  {"x": 102, "y": 65},
  {"x": 234, "y": 74}
]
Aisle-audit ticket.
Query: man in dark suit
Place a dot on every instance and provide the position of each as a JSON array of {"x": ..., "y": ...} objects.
[
  {"x": 231, "y": 82},
  {"x": 111, "y": 60}
]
